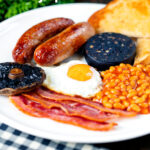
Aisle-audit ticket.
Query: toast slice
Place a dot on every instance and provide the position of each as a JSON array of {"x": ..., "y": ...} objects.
[
  {"x": 142, "y": 51},
  {"x": 129, "y": 17}
]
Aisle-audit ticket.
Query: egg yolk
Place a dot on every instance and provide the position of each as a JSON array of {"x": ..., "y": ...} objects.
[{"x": 80, "y": 72}]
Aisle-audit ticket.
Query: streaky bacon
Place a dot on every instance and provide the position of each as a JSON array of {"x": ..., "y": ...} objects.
[
  {"x": 37, "y": 110},
  {"x": 72, "y": 108},
  {"x": 25, "y": 106},
  {"x": 46, "y": 93},
  {"x": 44, "y": 102}
]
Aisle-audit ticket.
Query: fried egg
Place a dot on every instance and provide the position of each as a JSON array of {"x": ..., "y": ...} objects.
[{"x": 73, "y": 78}]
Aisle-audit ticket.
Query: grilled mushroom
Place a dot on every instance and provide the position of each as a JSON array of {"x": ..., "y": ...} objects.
[{"x": 17, "y": 78}]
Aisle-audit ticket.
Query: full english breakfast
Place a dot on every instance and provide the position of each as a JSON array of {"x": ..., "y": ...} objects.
[{"x": 89, "y": 74}]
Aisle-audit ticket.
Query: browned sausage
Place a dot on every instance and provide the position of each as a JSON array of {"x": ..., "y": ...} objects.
[
  {"x": 63, "y": 44},
  {"x": 24, "y": 49}
]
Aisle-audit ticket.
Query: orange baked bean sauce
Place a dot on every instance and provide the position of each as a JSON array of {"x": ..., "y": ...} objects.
[{"x": 126, "y": 87}]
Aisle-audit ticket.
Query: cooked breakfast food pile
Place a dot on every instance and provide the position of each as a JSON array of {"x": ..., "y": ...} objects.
[
  {"x": 128, "y": 17},
  {"x": 89, "y": 74}
]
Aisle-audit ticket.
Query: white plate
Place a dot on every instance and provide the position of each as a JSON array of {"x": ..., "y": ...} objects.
[{"x": 10, "y": 31}]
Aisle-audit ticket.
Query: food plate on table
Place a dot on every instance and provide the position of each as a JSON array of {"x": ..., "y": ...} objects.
[{"x": 10, "y": 31}]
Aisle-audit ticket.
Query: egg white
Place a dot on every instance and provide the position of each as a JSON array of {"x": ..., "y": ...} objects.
[{"x": 57, "y": 80}]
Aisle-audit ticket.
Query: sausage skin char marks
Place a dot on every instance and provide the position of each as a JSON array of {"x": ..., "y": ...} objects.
[
  {"x": 24, "y": 49},
  {"x": 64, "y": 44}
]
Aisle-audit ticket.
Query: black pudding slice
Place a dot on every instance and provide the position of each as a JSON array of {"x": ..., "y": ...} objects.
[{"x": 109, "y": 49}]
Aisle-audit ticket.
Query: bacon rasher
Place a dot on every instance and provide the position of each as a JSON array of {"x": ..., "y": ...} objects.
[
  {"x": 37, "y": 110},
  {"x": 73, "y": 108},
  {"x": 45, "y": 93}
]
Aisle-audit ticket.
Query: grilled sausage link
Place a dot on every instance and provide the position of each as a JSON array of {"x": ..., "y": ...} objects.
[
  {"x": 24, "y": 49},
  {"x": 63, "y": 44}
]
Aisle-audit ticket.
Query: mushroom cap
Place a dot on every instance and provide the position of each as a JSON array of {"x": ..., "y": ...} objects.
[{"x": 32, "y": 77}]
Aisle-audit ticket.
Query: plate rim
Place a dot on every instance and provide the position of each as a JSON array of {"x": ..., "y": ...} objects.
[{"x": 41, "y": 134}]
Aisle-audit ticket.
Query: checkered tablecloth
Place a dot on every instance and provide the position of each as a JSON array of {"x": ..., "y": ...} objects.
[{"x": 12, "y": 139}]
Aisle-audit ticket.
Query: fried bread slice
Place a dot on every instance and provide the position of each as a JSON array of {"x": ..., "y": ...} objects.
[
  {"x": 129, "y": 17},
  {"x": 142, "y": 51}
]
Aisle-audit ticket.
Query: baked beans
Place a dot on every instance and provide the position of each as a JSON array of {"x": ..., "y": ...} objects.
[{"x": 126, "y": 87}]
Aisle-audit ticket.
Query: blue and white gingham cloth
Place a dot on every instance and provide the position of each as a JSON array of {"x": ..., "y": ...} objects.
[{"x": 12, "y": 139}]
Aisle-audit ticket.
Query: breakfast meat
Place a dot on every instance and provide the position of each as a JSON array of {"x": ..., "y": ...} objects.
[
  {"x": 63, "y": 45},
  {"x": 109, "y": 49},
  {"x": 142, "y": 51},
  {"x": 91, "y": 115},
  {"x": 24, "y": 49},
  {"x": 16, "y": 78},
  {"x": 35, "y": 109},
  {"x": 129, "y": 17},
  {"x": 77, "y": 78},
  {"x": 45, "y": 93},
  {"x": 72, "y": 108}
]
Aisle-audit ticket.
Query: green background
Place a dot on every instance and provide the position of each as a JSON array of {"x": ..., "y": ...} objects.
[{"x": 9, "y": 8}]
